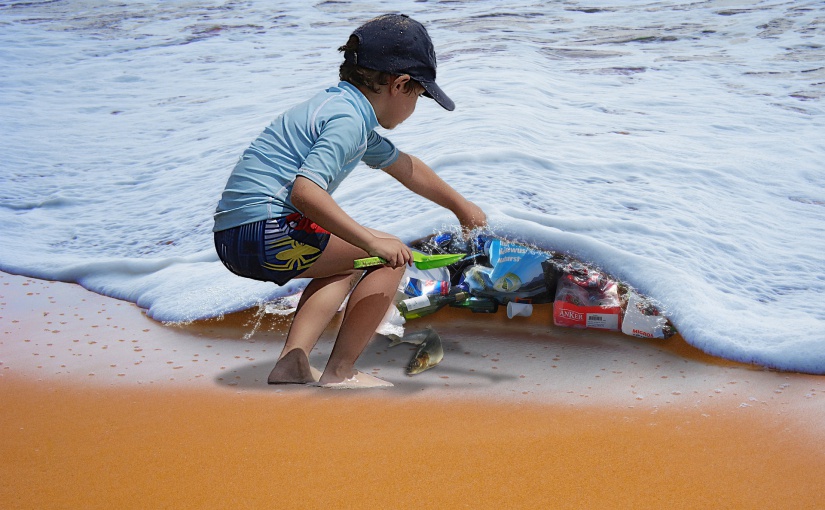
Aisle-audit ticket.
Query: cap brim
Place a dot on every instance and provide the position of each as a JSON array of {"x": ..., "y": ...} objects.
[{"x": 434, "y": 91}]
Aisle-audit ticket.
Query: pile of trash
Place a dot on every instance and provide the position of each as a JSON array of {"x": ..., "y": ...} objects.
[{"x": 496, "y": 272}]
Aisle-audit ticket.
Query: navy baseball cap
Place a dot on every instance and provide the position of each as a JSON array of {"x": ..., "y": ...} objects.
[{"x": 397, "y": 44}]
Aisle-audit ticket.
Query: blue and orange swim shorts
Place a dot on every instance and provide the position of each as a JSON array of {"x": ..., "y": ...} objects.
[{"x": 275, "y": 250}]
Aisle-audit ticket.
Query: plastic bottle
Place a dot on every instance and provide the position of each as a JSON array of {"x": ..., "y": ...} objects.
[
  {"x": 420, "y": 306},
  {"x": 416, "y": 287}
]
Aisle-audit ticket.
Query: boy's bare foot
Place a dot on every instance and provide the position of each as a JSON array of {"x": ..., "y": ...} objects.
[
  {"x": 358, "y": 381},
  {"x": 293, "y": 368}
]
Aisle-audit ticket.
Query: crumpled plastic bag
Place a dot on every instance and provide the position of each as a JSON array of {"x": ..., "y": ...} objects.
[{"x": 515, "y": 273}]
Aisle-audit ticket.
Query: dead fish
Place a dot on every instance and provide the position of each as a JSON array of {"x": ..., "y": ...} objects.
[
  {"x": 415, "y": 338},
  {"x": 429, "y": 354}
]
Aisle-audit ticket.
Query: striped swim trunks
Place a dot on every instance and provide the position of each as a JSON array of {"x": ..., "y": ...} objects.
[{"x": 276, "y": 250}]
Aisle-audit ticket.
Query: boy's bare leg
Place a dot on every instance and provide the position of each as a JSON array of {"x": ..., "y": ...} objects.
[
  {"x": 366, "y": 308},
  {"x": 318, "y": 304},
  {"x": 333, "y": 277}
]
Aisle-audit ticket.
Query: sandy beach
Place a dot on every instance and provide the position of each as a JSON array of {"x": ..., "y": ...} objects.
[{"x": 104, "y": 407}]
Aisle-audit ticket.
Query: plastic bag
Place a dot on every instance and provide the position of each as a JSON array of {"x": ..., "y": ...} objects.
[
  {"x": 515, "y": 266},
  {"x": 642, "y": 319},
  {"x": 417, "y": 282},
  {"x": 515, "y": 273},
  {"x": 590, "y": 301}
]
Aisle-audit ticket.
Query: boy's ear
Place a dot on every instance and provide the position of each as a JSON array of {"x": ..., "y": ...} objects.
[{"x": 398, "y": 84}]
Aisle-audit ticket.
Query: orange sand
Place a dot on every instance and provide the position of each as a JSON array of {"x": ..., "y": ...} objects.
[
  {"x": 73, "y": 444},
  {"x": 84, "y": 448}
]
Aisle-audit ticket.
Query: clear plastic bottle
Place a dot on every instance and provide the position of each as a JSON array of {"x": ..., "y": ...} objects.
[{"x": 420, "y": 306}]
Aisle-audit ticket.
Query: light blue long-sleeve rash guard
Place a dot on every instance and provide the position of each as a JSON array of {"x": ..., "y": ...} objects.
[{"x": 322, "y": 139}]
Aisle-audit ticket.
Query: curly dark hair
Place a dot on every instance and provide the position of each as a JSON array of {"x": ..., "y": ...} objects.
[{"x": 365, "y": 77}]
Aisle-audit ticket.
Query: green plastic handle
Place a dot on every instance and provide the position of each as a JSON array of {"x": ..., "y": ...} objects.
[
  {"x": 421, "y": 260},
  {"x": 369, "y": 262}
]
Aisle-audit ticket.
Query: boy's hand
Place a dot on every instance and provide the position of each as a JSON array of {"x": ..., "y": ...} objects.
[
  {"x": 395, "y": 252},
  {"x": 470, "y": 216}
]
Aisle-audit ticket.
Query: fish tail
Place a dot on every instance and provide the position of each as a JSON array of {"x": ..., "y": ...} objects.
[{"x": 394, "y": 339}]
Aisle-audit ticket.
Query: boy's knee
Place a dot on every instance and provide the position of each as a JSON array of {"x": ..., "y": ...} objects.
[
  {"x": 399, "y": 272},
  {"x": 396, "y": 272}
]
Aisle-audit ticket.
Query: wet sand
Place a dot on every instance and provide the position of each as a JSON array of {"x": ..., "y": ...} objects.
[{"x": 104, "y": 407}]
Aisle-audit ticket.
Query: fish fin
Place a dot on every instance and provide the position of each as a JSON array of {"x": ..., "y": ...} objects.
[{"x": 417, "y": 337}]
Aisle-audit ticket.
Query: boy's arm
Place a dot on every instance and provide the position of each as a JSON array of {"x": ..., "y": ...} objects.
[
  {"x": 422, "y": 180},
  {"x": 316, "y": 204}
]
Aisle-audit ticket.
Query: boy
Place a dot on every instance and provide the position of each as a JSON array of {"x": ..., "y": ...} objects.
[{"x": 277, "y": 221}]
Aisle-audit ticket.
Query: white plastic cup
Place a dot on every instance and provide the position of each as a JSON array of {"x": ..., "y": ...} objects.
[{"x": 519, "y": 309}]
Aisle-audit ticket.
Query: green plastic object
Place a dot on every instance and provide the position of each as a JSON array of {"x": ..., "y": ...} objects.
[{"x": 421, "y": 260}]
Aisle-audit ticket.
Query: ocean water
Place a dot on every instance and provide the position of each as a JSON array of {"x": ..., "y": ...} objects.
[{"x": 677, "y": 145}]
